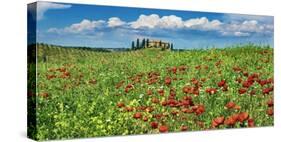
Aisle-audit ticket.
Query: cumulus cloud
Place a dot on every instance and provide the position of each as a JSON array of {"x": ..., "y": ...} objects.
[
  {"x": 203, "y": 23},
  {"x": 240, "y": 18},
  {"x": 115, "y": 22},
  {"x": 157, "y": 24},
  {"x": 144, "y": 21},
  {"x": 42, "y": 7},
  {"x": 248, "y": 26},
  {"x": 172, "y": 22},
  {"x": 84, "y": 25}
]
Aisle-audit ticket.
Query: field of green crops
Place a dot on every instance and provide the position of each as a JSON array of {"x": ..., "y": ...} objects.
[{"x": 89, "y": 94}]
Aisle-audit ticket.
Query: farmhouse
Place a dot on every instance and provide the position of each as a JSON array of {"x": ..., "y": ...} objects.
[
  {"x": 147, "y": 43},
  {"x": 158, "y": 44}
]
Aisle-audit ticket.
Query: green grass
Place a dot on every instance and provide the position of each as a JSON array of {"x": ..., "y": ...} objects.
[{"x": 76, "y": 107}]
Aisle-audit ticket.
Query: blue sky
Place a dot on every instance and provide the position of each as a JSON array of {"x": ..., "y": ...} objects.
[{"x": 105, "y": 26}]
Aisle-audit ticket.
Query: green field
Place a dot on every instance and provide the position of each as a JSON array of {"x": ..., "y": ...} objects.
[{"x": 83, "y": 93}]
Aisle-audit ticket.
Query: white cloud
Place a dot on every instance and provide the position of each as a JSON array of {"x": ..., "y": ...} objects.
[
  {"x": 171, "y": 21},
  {"x": 115, "y": 22},
  {"x": 42, "y": 7},
  {"x": 202, "y": 23},
  {"x": 84, "y": 25},
  {"x": 240, "y": 18},
  {"x": 247, "y": 26},
  {"x": 150, "y": 21},
  {"x": 154, "y": 21}
]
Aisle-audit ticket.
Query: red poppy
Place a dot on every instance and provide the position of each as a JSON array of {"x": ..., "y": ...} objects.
[
  {"x": 128, "y": 88},
  {"x": 242, "y": 91},
  {"x": 163, "y": 129},
  {"x": 184, "y": 128},
  {"x": 247, "y": 84},
  {"x": 267, "y": 90},
  {"x": 217, "y": 121},
  {"x": 251, "y": 122},
  {"x": 187, "y": 90},
  {"x": 262, "y": 82},
  {"x": 120, "y": 104},
  {"x": 211, "y": 91},
  {"x": 186, "y": 103},
  {"x": 195, "y": 82},
  {"x": 172, "y": 102},
  {"x": 172, "y": 69},
  {"x": 160, "y": 92},
  {"x": 235, "y": 117},
  {"x": 243, "y": 116},
  {"x": 221, "y": 83},
  {"x": 137, "y": 115},
  {"x": 230, "y": 121},
  {"x": 142, "y": 108},
  {"x": 186, "y": 110},
  {"x": 200, "y": 109},
  {"x": 270, "y": 103},
  {"x": 270, "y": 112},
  {"x": 168, "y": 80},
  {"x": 154, "y": 125},
  {"x": 49, "y": 77},
  {"x": 230, "y": 105}
]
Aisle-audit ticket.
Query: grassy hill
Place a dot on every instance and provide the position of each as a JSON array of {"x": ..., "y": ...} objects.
[{"x": 85, "y": 93}]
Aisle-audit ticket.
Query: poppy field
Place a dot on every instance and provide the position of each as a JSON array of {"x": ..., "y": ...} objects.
[{"x": 84, "y": 93}]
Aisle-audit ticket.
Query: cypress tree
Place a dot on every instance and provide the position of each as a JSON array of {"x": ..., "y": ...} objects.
[
  {"x": 143, "y": 43},
  {"x": 138, "y": 44},
  {"x": 133, "y": 45},
  {"x": 172, "y": 46},
  {"x": 147, "y": 42}
]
